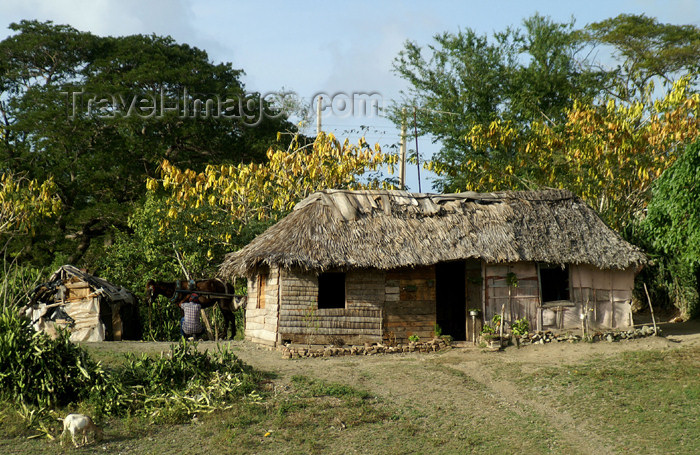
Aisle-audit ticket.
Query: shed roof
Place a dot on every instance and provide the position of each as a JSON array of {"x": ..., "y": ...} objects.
[
  {"x": 99, "y": 285},
  {"x": 386, "y": 229}
]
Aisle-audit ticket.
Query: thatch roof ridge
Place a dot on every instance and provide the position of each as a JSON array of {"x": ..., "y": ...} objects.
[{"x": 387, "y": 229}]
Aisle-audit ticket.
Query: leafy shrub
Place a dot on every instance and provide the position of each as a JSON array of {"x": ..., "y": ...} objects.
[
  {"x": 520, "y": 327},
  {"x": 175, "y": 385},
  {"x": 17, "y": 283},
  {"x": 161, "y": 320},
  {"x": 670, "y": 233},
  {"x": 414, "y": 338},
  {"x": 35, "y": 369}
]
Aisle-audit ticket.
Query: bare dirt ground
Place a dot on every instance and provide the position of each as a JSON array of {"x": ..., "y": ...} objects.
[{"x": 465, "y": 383}]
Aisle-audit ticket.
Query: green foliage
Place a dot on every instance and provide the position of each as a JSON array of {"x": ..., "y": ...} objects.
[
  {"x": 437, "y": 331},
  {"x": 516, "y": 75},
  {"x": 520, "y": 327},
  {"x": 38, "y": 372},
  {"x": 149, "y": 253},
  {"x": 646, "y": 50},
  {"x": 517, "y": 84},
  {"x": 671, "y": 233},
  {"x": 493, "y": 327},
  {"x": 35, "y": 369},
  {"x": 174, "y": 386},
  {"x": 99, "y": 157},
  {"x": 414, "y": 338},
  {"x": 18, "y": 282}
]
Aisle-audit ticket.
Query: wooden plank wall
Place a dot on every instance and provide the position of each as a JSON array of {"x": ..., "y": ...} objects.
[
  {"x": 410, "y": 304},
  {"x": 301, "y": 321},
  {"x": 524, "y": 297},
  {"x": 261, "y": 324},
  {"x": 609, "y": 293}
]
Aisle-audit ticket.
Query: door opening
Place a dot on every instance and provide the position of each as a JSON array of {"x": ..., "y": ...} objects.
[{"x": 451, "y": 299}]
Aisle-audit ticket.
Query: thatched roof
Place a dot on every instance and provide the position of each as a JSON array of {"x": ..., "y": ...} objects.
[{"x": 340, "y": 229}]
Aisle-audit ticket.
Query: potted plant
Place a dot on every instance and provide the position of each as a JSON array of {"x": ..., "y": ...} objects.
[
  {"x": 490, "y": 333},
  {"x": 474, "y": 312},
  {"x": 490, "y": 337}
]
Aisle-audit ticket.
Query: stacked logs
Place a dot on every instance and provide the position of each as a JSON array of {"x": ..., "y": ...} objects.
[
  {"x": 609, "y": 336},
  {"x": 296, "y": 352}
]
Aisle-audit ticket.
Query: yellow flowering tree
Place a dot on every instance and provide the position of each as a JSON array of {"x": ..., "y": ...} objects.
[
  {"x": 23, "y": 201},
  {"x": 262, "y": 191},
  {"x": 204, "y": 215},
  {"x": 608, "y": 153}
]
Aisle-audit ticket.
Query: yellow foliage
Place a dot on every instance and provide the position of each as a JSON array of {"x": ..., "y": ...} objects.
[
  {"x": 260, "y": 191},
  {"x": 609, "y": 154},
  {"x": 22, "y": 201}
]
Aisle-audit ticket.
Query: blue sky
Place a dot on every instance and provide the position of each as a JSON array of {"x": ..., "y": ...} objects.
[{"x": 327, "y": 46}]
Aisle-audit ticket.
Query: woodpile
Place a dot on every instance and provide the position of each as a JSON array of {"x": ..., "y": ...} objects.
[
  {"x": 299, "y": 351},
  {"x": 608, "y": 336}
]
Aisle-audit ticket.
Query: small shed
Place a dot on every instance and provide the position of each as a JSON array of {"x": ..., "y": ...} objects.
[
  {"x": 370, "y": 266},
  {"x": 91, "y": 308}
]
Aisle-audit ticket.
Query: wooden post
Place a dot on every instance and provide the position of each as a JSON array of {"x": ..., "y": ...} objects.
[
  {"x": 653, "y": 319},
  {"x": 318, "y": 115},
  {"x": 540, "y": 322},
  {"x": 206, "y": 322},
  {"x": 503, "y": 314}
]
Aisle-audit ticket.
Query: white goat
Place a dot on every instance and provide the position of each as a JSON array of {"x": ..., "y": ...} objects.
[{"x": 80, "y": 424}]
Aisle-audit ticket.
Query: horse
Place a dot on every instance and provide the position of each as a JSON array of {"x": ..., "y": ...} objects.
[{"x": 180, "y": 291}]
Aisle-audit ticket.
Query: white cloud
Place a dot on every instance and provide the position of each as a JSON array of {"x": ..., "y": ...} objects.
[{"x": 106, "y": 17}]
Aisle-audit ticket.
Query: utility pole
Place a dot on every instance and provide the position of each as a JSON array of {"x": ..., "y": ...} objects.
[
  {"x": 318, "y": 115},
  {"x": 402, "y": 163},
  {"x": 415, "y": 132}
]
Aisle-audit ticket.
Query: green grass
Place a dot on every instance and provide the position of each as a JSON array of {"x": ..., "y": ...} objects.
[
  {"x": 637, "y": 402},
  {"x": 649, "y": 402}
]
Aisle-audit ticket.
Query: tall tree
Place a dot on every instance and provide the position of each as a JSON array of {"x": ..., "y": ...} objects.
[
  {"x": 517, "y": 79},
  {"x": 466, "y": 79},
  {"x": 671, "y": 233},
  {"x": 207, "y": 214},
  {"x": 643, "y": 50},
  {"x": 97, "y": 114},
  {"x": 608, "y": 152}
]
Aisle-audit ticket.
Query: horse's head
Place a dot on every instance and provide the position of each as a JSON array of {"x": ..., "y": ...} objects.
[{"x": 240, "y": 301}]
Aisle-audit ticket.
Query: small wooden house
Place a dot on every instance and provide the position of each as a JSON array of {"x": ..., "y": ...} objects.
[
  {"x": 367, "y": 266},
  {"x": 91, "y": 308}
]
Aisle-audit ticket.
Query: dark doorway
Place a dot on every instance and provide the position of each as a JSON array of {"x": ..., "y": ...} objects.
[
  {"x": 331, "y": 290},
  {"x": 555, "y": 282},
  {"x": 450, "y": 292}
]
